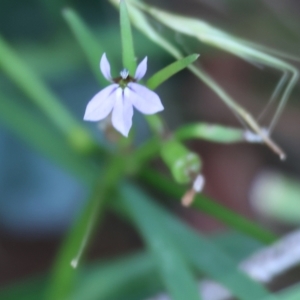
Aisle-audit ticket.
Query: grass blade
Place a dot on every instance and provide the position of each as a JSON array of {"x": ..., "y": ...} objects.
[
  {"x": 42, "y": 97},
  {"x": 170, "y": 70},
  {"x": 204, "y": 255},
  {"x": 129, "y": 60},
  {"x": 132, "y": 275},
  {"x": 87, "y": 41},
  {"x": 174, "y": 272},
  {"x": 41, "y": 136},
  {"x": 208, "y": 206},
  {"x": 73, "y": 248},
  {"x": 210, "y": 132}
]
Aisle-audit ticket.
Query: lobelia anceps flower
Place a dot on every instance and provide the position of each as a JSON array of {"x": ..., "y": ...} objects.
[{"x": 121, "y": 96}]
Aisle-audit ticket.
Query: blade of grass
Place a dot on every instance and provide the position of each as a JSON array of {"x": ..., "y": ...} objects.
[
  {"x": 129, "y": 60},
  {"x": 161, "y": 76},
  {"x": 124, "y": 277},
  {"x": 210, "y": 132},
  {"x": 213, "y": 262},
  {"x": 208, "y": 206},
  {"x": 43, "y": 98},
  {"x": 175, "y": 274},
  {"x": 130, "y": 275},
  {"x": 87, "y": 42},
  {"x": 236, "y": 245},
  {"x": 38, "y": 134},
  {"x": 65, "y": 267},
  {"x": 204, "y": 255},
  {"x": 29, "y": 289}
]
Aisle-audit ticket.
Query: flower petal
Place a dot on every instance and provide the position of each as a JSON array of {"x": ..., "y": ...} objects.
[
  {"x": 105, "y": 67},
  {"x": 101, "y": 104},
  {"x": 143, "y": 99},
  {"x": 141, "y": 69},
  {"x": 122, "y": 112}
]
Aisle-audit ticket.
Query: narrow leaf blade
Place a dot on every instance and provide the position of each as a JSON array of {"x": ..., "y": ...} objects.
[
  {"x": 176, "y": 276},
  {"x": 89, "y": 44},
  {"x": 129, "y": 61},
  {"x": 167, "y": 72},
  {"x": 210, "y": 132}
]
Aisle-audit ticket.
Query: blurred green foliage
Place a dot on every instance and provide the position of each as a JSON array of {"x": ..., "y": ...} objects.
[{"x": 175, "y": 255}]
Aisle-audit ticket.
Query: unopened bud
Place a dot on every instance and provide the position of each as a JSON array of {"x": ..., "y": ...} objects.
[
  {"x": 189, "y": 196},
  {"x": 253, "y": 137},
  {"x": 198, "y": 183}
]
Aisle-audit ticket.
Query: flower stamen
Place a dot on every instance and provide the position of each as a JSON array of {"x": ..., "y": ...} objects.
[{"x": 124, "y": 74}]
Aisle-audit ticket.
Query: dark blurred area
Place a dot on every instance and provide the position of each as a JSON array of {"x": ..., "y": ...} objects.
[{"x": 39, "y": 201}]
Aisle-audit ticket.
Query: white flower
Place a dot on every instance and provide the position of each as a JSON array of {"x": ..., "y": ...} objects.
[{"x": 121, "y": 96}]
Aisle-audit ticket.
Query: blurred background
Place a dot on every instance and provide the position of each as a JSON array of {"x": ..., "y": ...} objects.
[{"x": 39, "y": 201}]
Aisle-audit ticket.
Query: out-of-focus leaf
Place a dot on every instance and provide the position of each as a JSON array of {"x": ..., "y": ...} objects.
[
  {"x": 131, "y": 275},
  {"x": 290, "y": 293},
  {"x": 75, "y": 244},
  {"x": 214, "y": 263},
  {"x": 129, "y": 61},
  {"x": 44, "y": 138},
  {"x": 42, "y": 97},
  {"x": 87, "y": 41},
  {"x": 174, "y": 272},
  {"x": 208, "y": 206},
  {"x": 203, "y": 255},
  {"x": 161, "y": 76},
  {"x": 210, "y": 132},
  {"x": 277, "y": 196},
  {"x": 30, "y": 289},
  {"x": 236, "y": 245}
]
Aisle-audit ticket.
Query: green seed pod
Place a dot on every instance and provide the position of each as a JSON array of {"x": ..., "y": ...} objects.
[{"x": 183, "y": 163}]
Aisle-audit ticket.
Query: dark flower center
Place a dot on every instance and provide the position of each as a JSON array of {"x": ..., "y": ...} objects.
[{"x": 123, "y": 79}]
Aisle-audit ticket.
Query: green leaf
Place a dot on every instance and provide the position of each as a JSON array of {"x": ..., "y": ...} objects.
[
  {"x": 277, "y": 196},
  {"x": 152, "y": 219},
  {"x": 236, "y": 245},
  {"x": 176, "y": 276},
  {"x": 43, "y": 98},
  {"x": 87, "y": 41},
  {"x": 29, "y": 289},
  {"x": 125, "y": 277},
  {"x": 75, "y": 244},
  {"x": 40, "y": 135},
  {"x": 167, "y": 72},
  {"x": 131, "y": 275},
  {"x": 289, "y": 293},
  {"x": 214, "y": 263},
  {"x": 129, "y": 60},
  {"x": 210, "y": 132},
  {"x": 207, "y": 206}
]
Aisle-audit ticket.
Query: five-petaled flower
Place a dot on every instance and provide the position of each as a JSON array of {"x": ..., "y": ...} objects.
[{"x": 121, "y": 96}]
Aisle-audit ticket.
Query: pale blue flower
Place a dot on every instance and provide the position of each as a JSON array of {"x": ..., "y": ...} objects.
[{"x": 121, "y": 96}]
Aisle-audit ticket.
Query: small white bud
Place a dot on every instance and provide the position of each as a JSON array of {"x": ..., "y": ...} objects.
[
  {"x": 253, "y": 137},
  {"x": 198, "y": 183}
]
